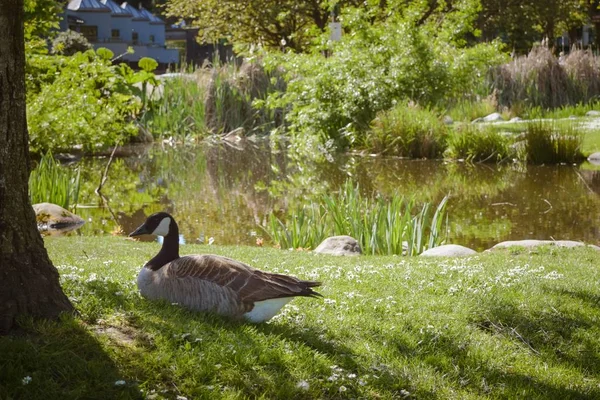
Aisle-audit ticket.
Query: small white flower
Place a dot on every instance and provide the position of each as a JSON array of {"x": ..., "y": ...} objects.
[
  {"x": 351, "y": 376},
  {"x": 26, "y": 380},
  {"x": 342, "y": 388},
  {"x": 211, "y": 240},
  {"x": 120, "y": 383},
  {"x": 181, "y": 397},
  {"x": 303, "y": 385}
]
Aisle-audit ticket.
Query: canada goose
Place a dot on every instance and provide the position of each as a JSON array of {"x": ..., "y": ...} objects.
[{"x": 210, "y": 282}]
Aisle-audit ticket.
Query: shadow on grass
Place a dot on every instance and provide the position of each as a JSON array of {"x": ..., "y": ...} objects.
[{"x": 64, "y": 361}]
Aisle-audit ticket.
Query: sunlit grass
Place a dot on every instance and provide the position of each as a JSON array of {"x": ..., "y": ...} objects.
[
  {"x": 478, "y": 144},
  {"x": 547, "y": 143},
  {"x": 382, "y": 226},
  {"x": 515, "y": 324},
  {"x": 49, "y": 182}
]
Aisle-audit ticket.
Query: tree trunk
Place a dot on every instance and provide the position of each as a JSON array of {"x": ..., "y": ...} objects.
[{"x": 28, "y": 281}]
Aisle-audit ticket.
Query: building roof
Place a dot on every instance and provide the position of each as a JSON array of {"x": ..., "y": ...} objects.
[
  {"x": 137, "y": 15},
  {"x": 87, "y": 5},
  {"x": 154, "y": 20},
  {"x": 115, "y": 9}
]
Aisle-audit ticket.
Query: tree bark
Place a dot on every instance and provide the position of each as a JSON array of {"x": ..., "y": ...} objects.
[{"x": 29, "y": 282}]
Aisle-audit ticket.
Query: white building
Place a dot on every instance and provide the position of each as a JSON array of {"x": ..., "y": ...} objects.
[{"x": 106, "y": 24}]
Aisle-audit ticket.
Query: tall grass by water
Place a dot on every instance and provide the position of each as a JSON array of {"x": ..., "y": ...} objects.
[
  {"x": 392, "y": 225},
  {"x": 551, "y": 143},
  {"x": 52, "y": 183},
  {"x": 478, "y": 144},
  {"x": 407, "y": 131}
]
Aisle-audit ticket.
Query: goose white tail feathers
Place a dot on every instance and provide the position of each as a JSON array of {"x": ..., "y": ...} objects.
[{"x": 214, "y": 283}]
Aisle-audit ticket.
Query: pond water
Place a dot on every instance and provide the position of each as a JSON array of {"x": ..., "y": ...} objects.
[{"x": 225, "y": 193}]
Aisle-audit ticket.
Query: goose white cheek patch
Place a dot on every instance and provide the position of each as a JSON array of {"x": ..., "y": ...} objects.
[{"x": 163, "y": 228}]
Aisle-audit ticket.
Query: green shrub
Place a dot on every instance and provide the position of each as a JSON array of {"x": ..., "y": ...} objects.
[
  {"x": 478, "y": 144},
  {"x": 551, "y": 143},
  {"x": 70, "y": 42},
  {"x": 50, "y": 182},
  {"x": 80, "y": 100},
  {"x": 407, "y": 131}
]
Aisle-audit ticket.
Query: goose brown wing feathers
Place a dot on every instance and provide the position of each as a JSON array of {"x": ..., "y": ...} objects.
[{"x": 250, "y": 284}]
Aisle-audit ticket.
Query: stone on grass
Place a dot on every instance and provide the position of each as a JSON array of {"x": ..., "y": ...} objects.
[
  {"x": 449, "y": 250},
  {"x": 592, "y": 113},
  {"x": 516, "y": 119},
  {"x": 493, "y": 117},
  {"x": 339, "y": 246},
  {"x": 448, "y": 120},
  {"x": 51, "y": 216},
  {"x": 594, "y": 158}
]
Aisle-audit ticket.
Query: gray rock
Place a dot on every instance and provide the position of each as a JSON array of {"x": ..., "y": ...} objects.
[
  {"x": 516, "y": 119},
  {"x": 531, "y": 243},
  {"x": 339, "y": 246},
  {"x": 448, "y": 120},
  {"x": 493, "y": 117},
  {"x": 50, "y": 216},
  {"x": 592, "y": 113},
  {"x": 449, "y": 250},
  {"x": 594, "y": 158}
]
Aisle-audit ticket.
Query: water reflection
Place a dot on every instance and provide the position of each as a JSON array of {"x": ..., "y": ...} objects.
[{"x": 227, "y": 193}]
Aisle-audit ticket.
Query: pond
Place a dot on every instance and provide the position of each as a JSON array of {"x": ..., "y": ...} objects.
[{"x": 223, "y": 194}]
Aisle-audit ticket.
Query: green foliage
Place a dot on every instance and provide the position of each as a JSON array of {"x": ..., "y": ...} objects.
[
  {"x": 408, "y": 132},
  {"x": 381, "y": 226},
  {"x": 376, "y": 66},
  {"x": 478, "y": 144},
  {"x": 80, "y": 100},
  {"x": 550, "y": 143},
  {"x": 51, "y": 183},
  {"x": 70, "y": 42},
  {"x": 41, "y": 22},
  {"x": 147, "y": 64}
]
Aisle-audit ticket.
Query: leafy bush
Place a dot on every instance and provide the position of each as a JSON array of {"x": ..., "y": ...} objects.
[
  {"x": 80, "y": 100},
  {"x": 478, "y": 144},
  {"x": 408, "y": 132},
  {"x": 372, "y": 68},
  {"x": 70, "y": 42}
]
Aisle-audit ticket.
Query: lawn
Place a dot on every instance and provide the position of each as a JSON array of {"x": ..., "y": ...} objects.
[{"x": 512, "y": 324}]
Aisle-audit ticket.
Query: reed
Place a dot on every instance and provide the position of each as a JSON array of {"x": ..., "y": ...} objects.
[
  {"x": 540, "y": 79},
  {"x": 381, "y": 226},
  {"x": 51, "y": 183}
]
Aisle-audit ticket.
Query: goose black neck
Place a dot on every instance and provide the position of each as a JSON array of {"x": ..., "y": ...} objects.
[{"x": 169, "y": 250}]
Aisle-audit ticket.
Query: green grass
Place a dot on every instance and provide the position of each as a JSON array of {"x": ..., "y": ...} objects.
[
  {"x": 549, "y": 143},
  {"x": 51, "y": 183},
  {"x": 515, "y": 324}
]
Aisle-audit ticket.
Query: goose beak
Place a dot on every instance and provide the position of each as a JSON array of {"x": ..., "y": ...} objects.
[{"x": 142, "y": 230}]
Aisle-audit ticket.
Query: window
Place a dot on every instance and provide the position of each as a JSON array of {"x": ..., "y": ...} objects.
[
  {"x": 115, "y": 34},
  {"x": 134, "y": 37},
  {"x": 90, "y": 32},
  {"x": 151, "y": 38}
]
